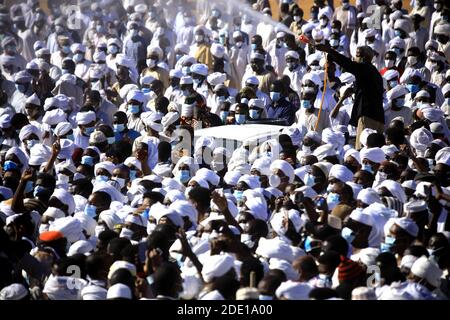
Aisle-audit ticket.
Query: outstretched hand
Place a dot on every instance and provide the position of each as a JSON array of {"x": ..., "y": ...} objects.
[{"x": 325, "y": 47}]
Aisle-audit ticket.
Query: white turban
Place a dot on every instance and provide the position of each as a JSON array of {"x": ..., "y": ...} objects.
[
  {"x": 341, "y": 173},
  {"x": 406, "y": 224},
  {"x": 274, "y": 248},
  {"x": 420, "y": 139},
  {"x": 369, "y": 196},
  {"x": 53, "y": 117},
  {"x": 193, "y": 167},
  {"x": 433, "y": 114},
  {"x": 396, "y": 92},
  {"x": 199, "y": 68},
  {"x": 62, "y": 128},
  {"x": 208, "y": 175},
  {"x": 216, "y": 266},
  {"x": 80, "y": 247},
  {"x": 257, "y": 208},
  {"x": 53, "y": 213},
  {"x": 252, "y": 181},
  {"x": 391, "y": 74},
  {"x": 373, "y": 154},
  {"x": 365, "y": 134},
  {"x": 262, "y": 165},
  {"x": 354, "y": 154},
  {"x": 395, "y": 188},
  {"x": 107, "y": 165},
  {"x": 325, "y": 150},
  {"x": 83, "y": 118},
  {"x": 88, "y": 223},
  {"x": 70, "y": 227},
  {"x": 19, "y": 153},
  {"x": 285, "y": 167},
  {"x": 232, "y": 177},
  {"x": 33, "y": 99},
  {"x": 136, "y": 95},
  {"x": 347, "y": 78},
  {"x": 185, "y": 209},
  {"x": 313, "y": 77},
  {"x": 39, "y": 154},
  {"x": 427, "y": 269},
  {"x": 65, "y": 198},
  {"x": 293, "y": 290},
  {"x": 217, "y": 50},
  {"x": 28, "y": 130},
  {"x": 216, "y": 78},
  {"x": 110, "y": 218}
]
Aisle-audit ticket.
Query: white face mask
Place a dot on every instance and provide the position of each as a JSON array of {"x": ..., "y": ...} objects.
[
  {"x": 380, "y": 176},
  {"x": 198, "y": 38},
  {"x": 412, "y": 60},
  {"x": 274, "y": 180},
  {"x": 98, "y": 230},
  {"x": 247, "y": 240},
  {"x": 120, "y": 181},
  {"x": 63, "y": 178},
  {"x": 150, "y": 227},
  {"x": 389, "y": 63},
  {"x": 126, "y": 233},
  {"x": 151, "y": 63}
]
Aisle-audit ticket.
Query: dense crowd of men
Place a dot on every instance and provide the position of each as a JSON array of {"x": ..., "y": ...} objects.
[{"x": 101, "y": 199}]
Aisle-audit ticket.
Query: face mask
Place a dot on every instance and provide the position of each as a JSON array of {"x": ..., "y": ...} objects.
[
  {"x": 380, "y": 176},
  {"x": 133, "y": 108},
  {"x": 31, "y": 143},
  {"x": 348, "y": 235},
  {"x": 101, "y": 178},
  {"x": 413, "y": 88},
  {"x": 87, "y": 160},
  {"x": 9, "y": 165},
  {"x": 274, "y": 180},
  {"x": 98, "y": 230},
  {"x": 389, "y": 63},
  {"x": 367, "y": 167},
  {"x": 398, "y": 33},
  {"x": 412, "y": 60},
  {"x": 247, "y": 240},
  {"x": 330, "y": 187},
  {"x": 151, "y": 63},
  {"x": 240, "y": 118},
  {"x": 310, "y": 180},
  {"x": 119, "y": 127},
  {"x": 393, "y": 83},
  {"x": 275, "y": 96},
  {"x": 70, "y": 137},
  {"x": 63, "y": 178},
  {"x": 21, "y": 88},
  {"x": 198, "y": 38},
  {"x": 126, "y": 233},
  {"x": 38, "y": 190},
  {"x": 334, "y": 43},
  {"x": 398, "y": 52},
  {"x": 291, "y": 66},
  {"x": 333, "y": 200},
  {"x": 323, "y": 22},
  {"x": 238, "y": 194},
  {"x": 221, "y": 99},
  {"x": 388, "y": 243},
  {"x": 78, "y": 57},
  {"x": 254, "y": 46},
  {"x": 89, "y": 130},
  {"x": 29, "y": 186},
  {"x": 305, "y": 104},
  {"x": 120, "y": 181},
  {"x": 223, "y": 116},
  {"x": 113, "y": 49},
  {"x": 65, "y": 49},
  {"x": 297, "y": 18},
  {"x": 254, "y": 114},
  {"x": 134, "y": 32},
  {"x": 146, "y": 90},
  {"x": 90, "y": 210},
  {"x": 184, "y": 176}
]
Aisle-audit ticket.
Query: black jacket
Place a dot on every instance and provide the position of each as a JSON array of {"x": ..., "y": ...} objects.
[{"x": 368, "y": 88}]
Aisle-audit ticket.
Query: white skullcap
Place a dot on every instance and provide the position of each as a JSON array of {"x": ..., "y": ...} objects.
[
  {"x": 433, "y": 114},
  {"x": 200, "y": 69},
  {"x": 70, "y": 227},
  {"x": 186, "y": 80},
  {"x": 408, "y": 261},
  {"x": 83, "y": 118},
  {"x": 369, "y": 196},
  {"x": 402, "y": 24},
  {"x": 390, "y": 150},
  {"x": 373, "y": 154},
  {"x": 274, "y": 248},
  {"x": 33, "y": 99},
  {"x": 406, "y": 224},
  {"x": 66, "y": 198},
  {"x": 62, "y": 128},
  {"x": 396, "y": 92},
  {"x": 362, "y": 217},
  {"x": 341, "y": 173},
  {"x": 257, "y": 56},
  {"x": 395, "y": 189},
  {"x": 29, "y": 129},
  {"x": 119, "y": 290},
  {"x": 427, "y": 269},
  {"x": 313, "y": 57},
  {"x": 365, "y": 134},
  {"x": 317, "y": 34},
  {"x": 232, "y": 177},
  {"x": 422, "y": 94},
  {"x": 53, "y": 117},
  {"x": 421, "y": 138},
  {"x": 80, "y": 247},
  {"x": 107, "y": 165},
  {"x": 15, "y": 291},
  {"x": 313, "y": 77},
  {"x": 325, "y": 150},
  {"x": 293, "y": 290},
  {"x": 352, "y": 153},
  {"x": 216, "y": 78},
  {"x": 216, "y": 266},
  {"x": 136, "y": 95},
  {"x": 252, "y": 80},
  {"x": 285, "y": 167},
  {"x": 391, "y": 74},
  {"x": 121, "y": 264},
  {"x": 155, "y": 50},
  {"x": 292, "y": 54},
  {"x": 175, "y": 73},
  {"x": 217, "y": 50}
]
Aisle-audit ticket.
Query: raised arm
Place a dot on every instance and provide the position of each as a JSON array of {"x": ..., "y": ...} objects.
[{"x": 340, "y": 59}]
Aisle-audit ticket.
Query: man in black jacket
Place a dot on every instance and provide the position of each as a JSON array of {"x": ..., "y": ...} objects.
[{"x": 367, "y": 110}]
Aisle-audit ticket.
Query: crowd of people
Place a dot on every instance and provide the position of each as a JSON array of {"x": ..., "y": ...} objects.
[{"x": 101, "y": 199}]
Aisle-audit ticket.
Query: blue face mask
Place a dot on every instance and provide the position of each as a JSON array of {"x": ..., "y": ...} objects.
[
  {"x": 146, "y": 90},
  {"x": 178, "y": 56},
  {"x": 264, "y": 297},
  {"x": 64, "y": 71},
  {"x": 119, "y": 127},
  {"x": 400, "y": 102},
  {"x": 111, "y": 140},
  {"x": 70, "y": 137},
  {"x": 367, "y": 167},
  {"x": 29, "y": 187},
  {"x": 223, "y": 116},
  {"x": 238, "y": 194},
  {"x": 184, "y": 176},
  {"x": 333, "y": 200},
  {"x": 133, "y": 174},
  {"x": 133, "y": 108},
  {"x": 254, "y": 114},
  {"x": 310, "y": 180},
  {"x": 413, "y": 88},
  {"x": 307, "y": 244},
  {"x": 393, "y": 83},
  {"x": 89, "y": 130},
  {"x": 275, "y": 96},
  {"x": 38, "y": 190},
  {"x": 90, "y": 210},
  {"x": 240, "y": 118},
  {"x": 10, "y": 165},
  {"x": 388, "y": 243},
  {"x": 254, "y": 46},
  {"x": 101, "y": 178},
  {"x": 348, "y": 235},
  {"x": 78, "y": 57},
  {"x": 87, "y": 160},
  {"x": 305, "y": 104},
  {"x": 113, "y": 49},
  {"x": 65, "y": 49}
]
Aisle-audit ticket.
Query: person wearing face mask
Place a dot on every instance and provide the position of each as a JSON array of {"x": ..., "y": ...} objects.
[
  {"x": 399, "y": 235},
  {"x": 396, "y": 97},
  {"x": 173, "y": 92},
  {"x": 277, "y": 50},
  {"x": 392, "y": 79},
  {"x": 135, "y": 45},
  {"x": 308, "y": 114},
  {"x": 86, "y": 125},
  {"x": 154, "y": 56},
  {"x": 201, "y": 50},
  {"x": 9, "y": 46},
  {"x": 280, "y": 108},
  {"x": 413, "y": 61},
  {"x": 135, "y": 107},
  {"x": 294, "y": 70},
  {"x": 63, "y": 51},
  {"x": 199, "y": 74},
  {"x": 23, "y": 91},
  {"x": 239, "y": 57},
  {"x": 81, "y": 64},
  {"x": 436, "y": 16},
  {"x": 256, "y": 109},
  {"x": 114, "y": 47},
  {"x": 437, "y": 62},
  {"x": 121, "y": 130},
  {"x": 390, "y": 60},
  {"x": 298, "y": 20},
  {"x": 398, "y": 46},
  {"x": 258, "y": 69},
  {"x": 240, "y": 114}
]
